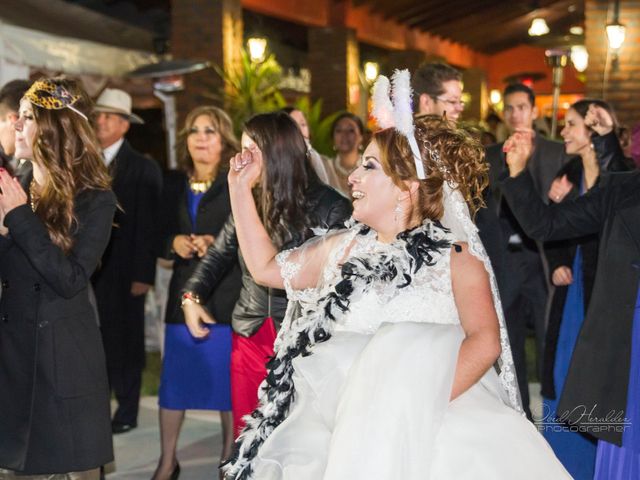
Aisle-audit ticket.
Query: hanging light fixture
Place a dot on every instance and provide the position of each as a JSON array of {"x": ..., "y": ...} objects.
[
  {"x": 538, "y": 27},
  {"x": 495, "y": 97},
  {"x": 576, "y": 30},
  {"x": 615, "y": 29},
  {"x": 615, "y": 34},
  {"x": 579, "y": 57},
  {"x": 371, "y": 70},
  {"x": 257, "y": 48}
]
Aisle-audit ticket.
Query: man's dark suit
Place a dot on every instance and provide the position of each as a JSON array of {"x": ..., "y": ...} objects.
[
  {"x": 524, "y": 293},
  {"x": 598, "y": 377},
  {"x": 130, "y": 257}
]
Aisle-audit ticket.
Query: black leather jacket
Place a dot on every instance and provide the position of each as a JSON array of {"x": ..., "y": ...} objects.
[
  {"x": 329, "y": 209},
  {"x": 609, "y": 153}
]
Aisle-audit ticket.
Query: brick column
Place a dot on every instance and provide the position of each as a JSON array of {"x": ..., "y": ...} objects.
[
  {"x": 475, "y": 84},
  {"x": 617, "y": 82},
  {"x": 205, "y": 30},
  {"x": 334, "y": 61}
]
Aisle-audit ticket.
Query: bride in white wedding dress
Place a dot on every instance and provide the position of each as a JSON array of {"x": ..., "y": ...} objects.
[{"x": 392, "y": 361}]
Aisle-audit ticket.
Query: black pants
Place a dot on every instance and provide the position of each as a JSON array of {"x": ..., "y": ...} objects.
[
  {"x": 125, "y": 383},
  {"x": 526, "y": 305}
]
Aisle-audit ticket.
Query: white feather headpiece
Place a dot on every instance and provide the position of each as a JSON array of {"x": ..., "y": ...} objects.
[{"x": 398, "y": 114}]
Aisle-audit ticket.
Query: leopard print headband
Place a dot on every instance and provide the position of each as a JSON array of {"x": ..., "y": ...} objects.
[{"x": 48, "y": 95}]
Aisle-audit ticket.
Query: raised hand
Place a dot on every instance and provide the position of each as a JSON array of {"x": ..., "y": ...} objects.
[
  {"x": 598, "y": 120},
  {"x": 559, "y": 189},
  {"x": 245, "y": 168},
  {"x": 518, "y": 149}
]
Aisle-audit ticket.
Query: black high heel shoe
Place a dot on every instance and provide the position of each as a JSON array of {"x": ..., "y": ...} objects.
[{"x": 176, "y": 473}]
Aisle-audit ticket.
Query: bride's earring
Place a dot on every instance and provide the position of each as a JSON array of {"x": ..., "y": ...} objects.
[{"x": 397, "y": 212}]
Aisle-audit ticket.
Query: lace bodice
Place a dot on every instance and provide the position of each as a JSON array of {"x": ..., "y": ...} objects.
[{"x": 429, "y": 297}]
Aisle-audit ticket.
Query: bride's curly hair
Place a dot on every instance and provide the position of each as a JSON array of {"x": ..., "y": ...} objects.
[{"x": 448, "y": 154}]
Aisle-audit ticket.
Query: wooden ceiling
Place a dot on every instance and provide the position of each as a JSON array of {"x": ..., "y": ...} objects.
[{"x": 488, "y": 26}]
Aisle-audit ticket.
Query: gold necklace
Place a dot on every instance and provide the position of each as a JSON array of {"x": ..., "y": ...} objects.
[
  {"x": 200, "y": 186},
  {"x": 33, "y": 201}
]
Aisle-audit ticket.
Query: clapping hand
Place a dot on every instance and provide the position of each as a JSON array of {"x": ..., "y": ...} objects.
[
  {"x": 598, "y": 119},
  {"x": 518, "y": 149},
  {"x": 11, "y": 193}
]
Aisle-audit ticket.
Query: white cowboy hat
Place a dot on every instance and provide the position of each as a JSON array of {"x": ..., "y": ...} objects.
[{"x": 113, "y": 100}]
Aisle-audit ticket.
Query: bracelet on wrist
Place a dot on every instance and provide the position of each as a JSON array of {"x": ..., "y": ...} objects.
[{"x": 189, "y": 297}]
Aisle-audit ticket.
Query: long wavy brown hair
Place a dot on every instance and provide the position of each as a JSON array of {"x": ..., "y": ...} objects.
[
  {"x": 66, "y": 147},
  {"x": 222, "y": 123},
  {"x": 448, "y": 154},
  {"x": 286, "y": 175}
]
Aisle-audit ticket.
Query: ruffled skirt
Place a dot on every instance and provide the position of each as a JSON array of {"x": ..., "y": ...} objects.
[{"x": 377, "y": 406}]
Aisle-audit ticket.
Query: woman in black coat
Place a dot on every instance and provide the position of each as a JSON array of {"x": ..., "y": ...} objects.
[
  {"x": 293, "y": 201},
  {"x": 54, "y": 396},
  {"x": 601, "y": 391},
  {"x": 572, "y": 265},
  {"x": 195, "y": 373}
]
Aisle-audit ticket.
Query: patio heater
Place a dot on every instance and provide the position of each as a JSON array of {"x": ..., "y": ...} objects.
[
  {"x": 557, "y": 59},
  {"x": 168, "y": 78}
]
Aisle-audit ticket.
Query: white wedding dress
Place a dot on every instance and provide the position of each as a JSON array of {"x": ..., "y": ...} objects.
[{"x": 373, "y": 401}]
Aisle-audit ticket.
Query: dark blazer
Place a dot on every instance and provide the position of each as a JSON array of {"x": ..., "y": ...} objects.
[
  {"x": 598, "y": 377},
  {"x": 213, "y": 211},
  {"x": 54, "y": 396},
  {"x": 611, "y": 159},
  {"x": 327, "y": 209},
  {"x": 547, "y": 158},
  {"x": 130, "y": 256},
  {"x": 493, "y": 239}
]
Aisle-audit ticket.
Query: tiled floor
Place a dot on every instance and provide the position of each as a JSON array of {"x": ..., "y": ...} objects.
[{"x": 199, "y": 447}]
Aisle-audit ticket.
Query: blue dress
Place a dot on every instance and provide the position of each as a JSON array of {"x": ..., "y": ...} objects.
[
  {"x": 623, "y": 463},
  {"x": 195, "y": 372},
  {"x": 576, "y": 451}
]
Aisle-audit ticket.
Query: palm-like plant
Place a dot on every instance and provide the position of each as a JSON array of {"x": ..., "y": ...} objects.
[
  {"x": 251, "y": 88},
  {"x": 319, "y": 128}
]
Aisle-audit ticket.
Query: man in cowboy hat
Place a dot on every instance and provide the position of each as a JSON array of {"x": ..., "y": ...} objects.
[{"x": 128, "y": 266}]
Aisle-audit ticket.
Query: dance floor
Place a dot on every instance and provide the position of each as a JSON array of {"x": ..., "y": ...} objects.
[{"x": 199, "y": 447}]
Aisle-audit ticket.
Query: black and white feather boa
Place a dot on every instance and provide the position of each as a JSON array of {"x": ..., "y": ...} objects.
[{"x": 390, "y": 267}]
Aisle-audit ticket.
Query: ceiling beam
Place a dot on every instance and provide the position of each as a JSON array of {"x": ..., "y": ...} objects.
[{"x": 449, "y": 12}]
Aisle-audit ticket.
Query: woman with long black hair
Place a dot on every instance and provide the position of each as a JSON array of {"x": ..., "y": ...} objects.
[
  {"x": 292, "y": 202},
  {"x": 590, "y": 134}
]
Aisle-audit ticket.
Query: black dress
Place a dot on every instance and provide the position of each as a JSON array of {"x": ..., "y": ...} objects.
[
  {"x": 195, "y": 372},
  {"x": 54, "y": 395}
]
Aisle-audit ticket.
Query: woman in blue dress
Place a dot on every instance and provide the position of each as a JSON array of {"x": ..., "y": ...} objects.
[
  {"x": 589, "y": 133},
  {"x": 195, "y": 372}
]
